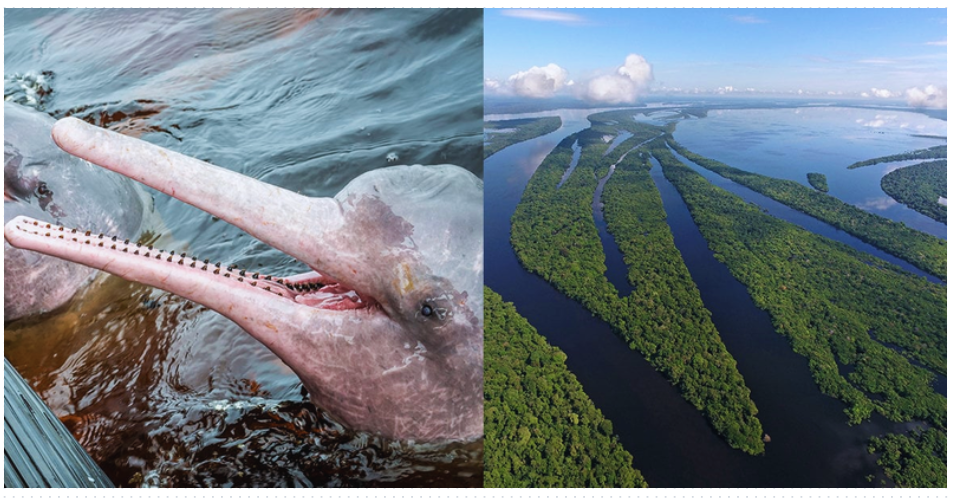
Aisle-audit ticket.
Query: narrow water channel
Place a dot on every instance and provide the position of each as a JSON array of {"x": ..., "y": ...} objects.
[
  {"x": 671, "y": 443},
  {"x": 577, "y": 150}
]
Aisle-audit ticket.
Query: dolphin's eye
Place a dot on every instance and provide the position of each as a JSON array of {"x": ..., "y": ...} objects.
[
  {"x": 42, "y": 190},
  {"x": 427, "y": 310}
]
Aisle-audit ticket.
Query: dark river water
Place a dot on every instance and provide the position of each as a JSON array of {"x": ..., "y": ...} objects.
[
  {"x": 162, "y": 392},
  {"x": 812, "y": 445}
]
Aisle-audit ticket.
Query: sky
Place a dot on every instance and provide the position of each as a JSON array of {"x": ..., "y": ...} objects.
[{"x": 619, "y": 56}]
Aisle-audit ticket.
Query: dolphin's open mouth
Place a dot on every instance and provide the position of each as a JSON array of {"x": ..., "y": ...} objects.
[{"x": 312, "y": 289}]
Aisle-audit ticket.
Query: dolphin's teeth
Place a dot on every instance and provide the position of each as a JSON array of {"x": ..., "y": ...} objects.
[
  {"x": 137, "y": 252},
  {"x": 149, "y": 247},
  {"x": 240, "y": 279},
  {"x": 125, "y": 249},
  {"x": 87, "y": 242},
  {"x": 194, "y": 258},
  {"x": 61, "y": 228},
  {"x": 227, "y": 275},
  {"x": 88, "y": 232},
  {"x": 254, "y": 284},
  {"x": 268, "y": 287},
  {"x": 100, "y": 236},
  {"x": 138, "y": 244},
  {"x": 180, "y": 261},
  {"x": 60, "y": 235},
  {"x": 242, "y": 273},
  {"x": 216, "y": 271},
  {"x": 100, "y": 244},
  {"x": 280, "y": 281},
  {"x": 147, "y": 254},
  {"x": 268, "y": 277},
  {"x": 36, "y": 223},
  {"x": 205, "y": 267},
  {"x": 255, "y": 275},
  {"x": 74, "y": 238},
  {"x": 217, "y": 264},
  {"x": 126, "y": 241},
  {"x": 170, "y": 259},
  {"x": 47, "y": 234},
  {"x": 74, "y": 231},
  {"x": 192, "y": 265},
  {"x": 113, "y": 247},
  {"x": 113, "y": 239},
  {"x": 159, "y": 256},
  {"x": 47, "y": 226},
  {"x": 205, "y": 261}
]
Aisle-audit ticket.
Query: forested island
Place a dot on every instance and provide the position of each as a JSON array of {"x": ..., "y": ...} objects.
[
  {"x": 857, "y": 319},
  {"x": 819, "y": 181},
  {"x": 920, "y": 187},
  {"x": 918, "y": 248},
  {"x": 540, "y": 428},
  {"x": 874, "y": 335},
  {"x": 511, "y": 131},
  {"x": 936, "y": 152},
  {"x": 554, "y": 235}
]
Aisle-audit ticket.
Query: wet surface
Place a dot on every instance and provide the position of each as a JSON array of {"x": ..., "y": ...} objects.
[{"x": 163, "y": 392}]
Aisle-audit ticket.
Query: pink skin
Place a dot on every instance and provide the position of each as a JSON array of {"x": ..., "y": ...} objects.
[{"x": 388, "y": 340}]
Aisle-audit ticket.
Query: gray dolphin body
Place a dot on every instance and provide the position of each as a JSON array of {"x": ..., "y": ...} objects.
[
  {"x": 386, "y": 333},
  {"x": 43, "y": 182}
]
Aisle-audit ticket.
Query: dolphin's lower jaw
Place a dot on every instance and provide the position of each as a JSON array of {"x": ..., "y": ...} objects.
[
  {"x": 341, "y": 344},
  {"x": 103, "y": 252}
]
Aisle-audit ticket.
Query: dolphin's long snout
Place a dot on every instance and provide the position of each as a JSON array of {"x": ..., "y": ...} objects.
[{"x": 262, "y": 210}]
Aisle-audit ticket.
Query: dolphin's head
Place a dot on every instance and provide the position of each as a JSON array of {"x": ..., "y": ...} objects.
[
  {"x": 385, "y": 332},
  {"x": 45, "y": 183}
]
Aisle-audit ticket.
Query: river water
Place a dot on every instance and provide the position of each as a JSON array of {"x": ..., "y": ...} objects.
[
  {"x": 790, "y": 143},
  {"x": 162, "y": 392},
  {"x": 812, "y": 445}
]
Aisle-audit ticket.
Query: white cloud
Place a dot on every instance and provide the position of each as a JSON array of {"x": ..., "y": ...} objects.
[
  {"x": 538, "y": 82},
  {"x": 882, "y": 93},
  {"x": 939, "y": 43},
  {"x": 545, "y": 15},
  {"x": 629, "y": 80},
  {"x": 491, "y": 85},
  {"x": 929, "y": 96}
]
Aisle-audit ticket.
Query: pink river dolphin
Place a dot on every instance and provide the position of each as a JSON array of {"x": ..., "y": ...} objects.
[{"x": 386, "y": 332}]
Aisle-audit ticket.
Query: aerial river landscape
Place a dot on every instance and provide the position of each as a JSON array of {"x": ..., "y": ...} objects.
[{"x": 809, "y": 442}]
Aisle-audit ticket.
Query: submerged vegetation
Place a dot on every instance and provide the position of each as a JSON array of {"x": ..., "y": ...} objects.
[
  {"x": 920, "y": 249},
  {"x": 541, "y": 429},
  {"x": 936, "y": 152},
  {"x": 920, "y": 187},
  {"x": 819, "y": 181},
  {"x": 555, "y": 236},
  {"x": 918, "y": 460},
  {"x": 522, "y": 130}
]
